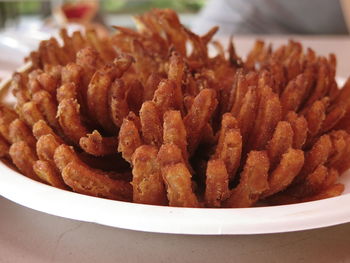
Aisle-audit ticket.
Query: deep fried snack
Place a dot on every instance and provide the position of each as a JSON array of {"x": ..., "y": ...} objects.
[
  {"x": 7, "y": 115},
  {"x": 151, "y": 124},
  {"x": 97, "y": 93},
  {"x": 281, "y": 141},
  {"x": 269, "y": 114},
  {"x": 66, "y": 91},
  {"x": 174, "y": 131},
  {"x": 24, "y": 157},
  {"x": 299, "y": 126},
  {"x": 151, "y": 86},
  {"x": 134, "y": 95},
  {"x": 253, "y": 181},
  {"x": 19, "y": 131},
  {"x": 289, "y": 167},
  {"x": 4, "y": 147},
  {"x": 97, "y": 145},
  {"x": 315, "y": 116},
  {"x": 41, "y": 128},
  {"x": 147, "y": 182},
  {"x": 85, "y": 180},
  {"x": 30, "y": 113},
  {"x": 46, "y": 146},
  {"x": 164, "y": 96},
  {"x": 247, "y": 113},
  {"x": 292, "y": 96},
  {"x": 118, "y": 104},
  {"x": 176, "y": 176},
  {"x": 217, "y": 180},
  {"x": 47, "y": 105},
  {"x": 315, "y": 157},
  {"x": 129, "y": 139},
  {"x": 175, "y": 73},
  {"x": 230, "y": 151},
  {"x": 48, "y": 173},
  {"x": 201, "y": 111},
  {"x": 63, "y": 155},
  {"x": 69, "y": 118},
  {"x": 48, "y": 82}
]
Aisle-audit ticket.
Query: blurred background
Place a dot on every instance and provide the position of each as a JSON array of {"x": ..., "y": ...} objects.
[{"x": 24, "y": 23}]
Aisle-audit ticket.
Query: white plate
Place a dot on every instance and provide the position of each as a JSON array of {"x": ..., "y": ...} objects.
[
  {"x": 201, "y": 221},
  {"x": 41, "y": 197}
]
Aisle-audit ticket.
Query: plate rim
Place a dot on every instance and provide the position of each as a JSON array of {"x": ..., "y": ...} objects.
[{"x": 172, "y": 220}]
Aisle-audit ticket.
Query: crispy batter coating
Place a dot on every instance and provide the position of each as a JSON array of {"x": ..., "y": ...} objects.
[
  {"x": 24, "y": 157},
  {"x": 97, "y": 93},
  {"x": 85, "y": 180},
  {"x": 281, "y": 141},
  {"x": 217, "y": 180},
  {"x": 280, "y": 178},
  {"x": 47, "y": 105},
  {"x": 48, "y": 173},
  {"x": 30, "y": 113},
  {"x": 19, "y": 131},
  {"x": 174, "y": 131},
  {"x": 200, "y": 113},
  {"x": 97, "y": 145},
  {"x": 7, "y": 115},
  {"x": 147, "y": 182},
  {"x": 176, "y": 176},
  {"x": 69, "y": 118},
  {"x": 153, "y": 107},
  {"x": 151, "y": 124},
  {"x": 299, "y": 126},
  {"x": 118, "y": 104},
  {"x": 129, "y": 139},
  {"x": 46, "y": 146},
  {"x": 253, "y": 182}
]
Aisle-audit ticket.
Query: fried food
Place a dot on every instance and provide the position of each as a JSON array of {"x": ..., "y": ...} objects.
[
  {"x": 147, "y": 182},
  {"x": 253, "y": 181},
  {"x": 151, "y": 116},
  {"x": 176, "y": 176},
  {"x": 217, "y": 180}
]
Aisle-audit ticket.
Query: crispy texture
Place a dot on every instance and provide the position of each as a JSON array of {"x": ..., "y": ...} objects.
[
  {"x": 269, "y": 114},
  {"x": 7, "y": 115},
  {"x": 97, "y": 145},
  {"x": 85, "y": 180},
  {"x": 281, "y": 141},
  {"x": 47, "y": 106},
  {"x": 201, "y": 111},
  {"x": 253, "y": 182},
  {"x": 176, "y": 176},
  {"x": 315, "y": 157},
  {"x": 129, "y": 139},
  {"x": 46, "y": 146},
  {"x": 24, "y": 157},
  {"x": 97, "y": 93},
  {"x": 217, "y": 180},
  {"x": 174, "y": 131},
  {"x": 69, "y": 118},
  {"x": 189, "y": 123},
  {"x": 291, "y": 163},
  {"x": 299, "y": 126},
  {"x": 4, "y": 148},
  {"x": 147, "y": 182},
  {"x": 48, "y": 173},
  {"x": 118, "y": 104},
  {"x": 30, "y": 113},
  {"x": 151, "y": 124},
  {"x": 19, "y": 131}
]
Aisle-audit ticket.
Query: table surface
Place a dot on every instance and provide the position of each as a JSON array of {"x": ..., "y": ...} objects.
[{"x": 27, "y": 235}]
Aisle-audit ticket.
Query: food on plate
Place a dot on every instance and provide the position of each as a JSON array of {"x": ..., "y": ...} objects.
[{"x": 151, "y": 116}]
